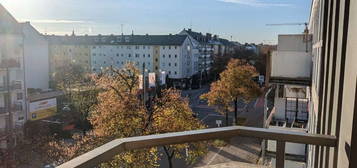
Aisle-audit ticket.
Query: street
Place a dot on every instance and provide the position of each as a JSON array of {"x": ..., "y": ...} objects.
[{"x": 239, "y": 149}]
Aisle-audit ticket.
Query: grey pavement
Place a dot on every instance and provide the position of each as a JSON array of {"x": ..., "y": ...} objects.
[{"x": 239, "y": 149}]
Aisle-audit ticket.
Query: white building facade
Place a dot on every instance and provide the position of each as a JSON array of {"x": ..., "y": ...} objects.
[{"x": 173, "y": 54}]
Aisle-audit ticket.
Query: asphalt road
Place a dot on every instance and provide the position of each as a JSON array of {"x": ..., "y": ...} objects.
[{"x": 240, "y": 148}]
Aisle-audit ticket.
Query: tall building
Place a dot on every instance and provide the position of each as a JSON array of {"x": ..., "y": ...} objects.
[
  {"x": 205, "y": 47},
  {"x": 173, "y": 54},
  {"x": 12, "y": 94},
  {"x": 23, "y": 65},
  {"x": 334, "y": 81},
  {"x": 327, "y": 69}
]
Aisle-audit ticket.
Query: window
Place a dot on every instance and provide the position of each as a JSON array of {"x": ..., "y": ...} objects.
[
  {"x": 175, "y": 73},
  {"x": 19, "y": 96},
  {"x": 170, "y": 72},
  {"x": 122, "y": 55},
  {"x": 169, "y": 47},
  {"x": 143, "y": 47},
  {"x": 128, "y": 47},
  {"x": 136, "y": 55},
  {"x": 163, "y": 47},
  {"x": 149, "y": 55},
  {"x": 143, "y": 55},
  {"x": 156, "y": 60},
  {"x": 281, "y": 91},
  {"x": 104, "y": 62},
  {"x": 175, "y": 64},
  {"x": 122, "y": 62},
  {"x": 136, "y": 47},
  {"x": 117, "y": 62},
  {"x": 175, "y": 56},
  {"x": 163, "y": 56},
  {"x": 169, "y": 64},
  {"x": 169, "y": 55},
  {"x": 175, "y": 47},
  {"x": 148, "y": 47},
  {"x": 117, "y": 55},
  {"x": 93, "y": 47},
  {"x": 129, "y": 55}
]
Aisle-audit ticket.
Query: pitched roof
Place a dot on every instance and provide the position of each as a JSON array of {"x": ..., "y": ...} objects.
[
  {"x": 8, "y": 23},
  {"x": 118, "y": 39}
]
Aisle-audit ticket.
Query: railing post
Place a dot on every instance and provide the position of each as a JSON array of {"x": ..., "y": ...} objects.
[{"x": 280, "y": 154}]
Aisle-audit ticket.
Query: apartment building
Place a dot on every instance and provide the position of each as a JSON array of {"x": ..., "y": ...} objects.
[
  {"x": 328, "y": 72},
  {"x": 290, "y": 73},
  {"x": 203, "y": 44},
  {"x": 173, "y": 54},
  {"x": 333, "y": 81},
  {"x": 23, "y": 66},
  {"x": 12, "y": 91}
]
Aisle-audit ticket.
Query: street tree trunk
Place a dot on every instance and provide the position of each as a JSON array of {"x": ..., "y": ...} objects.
[
  {"x": 227, "y": 118},
  {"x": 169, "y": 156},
  {"x": 236, "y": 111}
]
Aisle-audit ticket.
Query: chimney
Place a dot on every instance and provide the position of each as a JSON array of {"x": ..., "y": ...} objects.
[
  {"x": 189, "y": 30},
  {"x": 132, "y": 32}
]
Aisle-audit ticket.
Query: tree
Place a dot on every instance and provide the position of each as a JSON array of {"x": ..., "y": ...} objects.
[
  {"x": 220, "y": 97},
  {"x": 120, "y": 113},
  {"x": 235, "y": 82},
  {"x": 219, "y": 64},
  {"x": 172, "y": 113},
  {"x": 68, "y": 77}
]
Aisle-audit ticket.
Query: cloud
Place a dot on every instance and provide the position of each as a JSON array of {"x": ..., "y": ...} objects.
[
  {"x": 61, "y": 21},
  {"x": 256, "y": 3}
]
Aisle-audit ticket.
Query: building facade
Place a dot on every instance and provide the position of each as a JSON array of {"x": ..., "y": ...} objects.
[
  {"x": 331, "y": 74},
  {"x": 334, "y": 80},
  {"x": 173, "y": 54},
  {"x": 12, "y": 94}
]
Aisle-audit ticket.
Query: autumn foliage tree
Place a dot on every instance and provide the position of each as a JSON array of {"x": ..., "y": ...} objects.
[
  {"x": 120, "y": 113},
  {"x": 235, "y": 83},
  {"x": 172, "y": 113}
]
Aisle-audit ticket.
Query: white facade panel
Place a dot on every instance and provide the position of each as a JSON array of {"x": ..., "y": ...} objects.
[{"x": 291, "y": 64}]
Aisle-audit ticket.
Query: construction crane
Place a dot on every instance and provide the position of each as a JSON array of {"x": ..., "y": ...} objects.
[
  {"x": 293, "y": 24},
  {"x": 306, "y": 31}
]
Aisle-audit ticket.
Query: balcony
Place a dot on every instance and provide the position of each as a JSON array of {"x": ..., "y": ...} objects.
[
  {"x": 3, "y": 110},
  {"x": 107, "y": 151},
  {"x": 17, "y": 107}
]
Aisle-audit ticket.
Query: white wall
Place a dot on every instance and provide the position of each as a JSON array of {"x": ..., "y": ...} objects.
[
  {"x": 291, "y": 64},
  {"x": 118, "y": 55},
  {"x": 168, "y": 61},
  {"x": 294, "y": 42},
  {"x": 35, "y": 59},
  {"x": 172, "y": 59}
]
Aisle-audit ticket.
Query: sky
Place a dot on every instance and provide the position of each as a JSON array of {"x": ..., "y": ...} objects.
[{"x": 239, "y": 20}]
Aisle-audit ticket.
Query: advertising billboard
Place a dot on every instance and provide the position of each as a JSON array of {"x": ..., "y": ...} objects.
[
  {"x": 43, "y": 109},
  {"x": 152, "y": 79}
]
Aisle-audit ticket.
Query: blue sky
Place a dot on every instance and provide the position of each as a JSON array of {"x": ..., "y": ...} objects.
[{"x": 244, "y": 20}]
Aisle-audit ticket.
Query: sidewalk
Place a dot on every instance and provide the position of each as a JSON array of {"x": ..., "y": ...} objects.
[{"x": 240, "y": 149}]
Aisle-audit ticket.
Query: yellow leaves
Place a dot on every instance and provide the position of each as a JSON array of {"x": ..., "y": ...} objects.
[{"x": 235, "y": 82}]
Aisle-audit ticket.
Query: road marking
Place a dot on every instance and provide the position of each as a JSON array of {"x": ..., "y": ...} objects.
[{"x": 214, "y": 156}]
